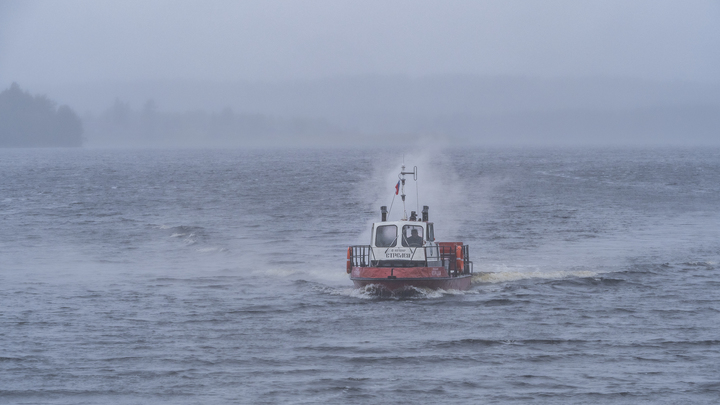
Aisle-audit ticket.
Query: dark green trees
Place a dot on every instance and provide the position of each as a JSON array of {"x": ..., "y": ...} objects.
[{"x": 35, "y": 121}]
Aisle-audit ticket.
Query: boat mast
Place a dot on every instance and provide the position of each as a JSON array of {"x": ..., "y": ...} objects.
[{"x": 401, "y": 176}]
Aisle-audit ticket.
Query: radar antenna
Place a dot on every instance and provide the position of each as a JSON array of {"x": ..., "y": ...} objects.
[{"x": 401, "y": 176}]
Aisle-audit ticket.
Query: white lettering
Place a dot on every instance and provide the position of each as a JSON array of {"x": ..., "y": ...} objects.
[{"x": 398, "y": 255}]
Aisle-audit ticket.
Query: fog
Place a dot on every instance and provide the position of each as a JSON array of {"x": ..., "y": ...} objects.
[{"x": 353, "y": 73}]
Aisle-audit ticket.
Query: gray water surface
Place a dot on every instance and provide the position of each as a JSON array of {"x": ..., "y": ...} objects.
[{"x": 219, "y": 277}]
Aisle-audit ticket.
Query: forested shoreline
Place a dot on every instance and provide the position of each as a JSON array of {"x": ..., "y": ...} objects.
[
  {"x": 357, "y": 112},
  {"x": 36, "y": 121}
]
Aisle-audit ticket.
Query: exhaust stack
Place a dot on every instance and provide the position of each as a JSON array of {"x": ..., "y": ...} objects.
[
  {"x": 425, "y": 213},
  {"x": 383, "y": 213}
]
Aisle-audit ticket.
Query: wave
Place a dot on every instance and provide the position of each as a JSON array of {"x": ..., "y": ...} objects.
[
  {"x": 709, "y": 265},
  {"x": 211, "y": 249},
  {"x": 374, "y": 291},
  {"x": 506, "y": 276}
]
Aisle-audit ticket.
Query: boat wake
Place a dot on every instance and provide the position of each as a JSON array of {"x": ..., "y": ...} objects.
[
  {"x": 375, "y": 291},
  {"x": 506, "y": 276}
]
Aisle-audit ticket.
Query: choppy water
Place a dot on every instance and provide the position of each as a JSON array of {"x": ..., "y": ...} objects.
[{"x": 218, "y": 277}]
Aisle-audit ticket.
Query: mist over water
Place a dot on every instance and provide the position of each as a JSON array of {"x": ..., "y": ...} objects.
[
  {"x": 214, "y": 276},
  {"x": 368, "y": 73},
  {"x": 207, "y": 276}
]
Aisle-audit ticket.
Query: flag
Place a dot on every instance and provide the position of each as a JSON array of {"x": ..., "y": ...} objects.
[{"x": 397, "y": 188}]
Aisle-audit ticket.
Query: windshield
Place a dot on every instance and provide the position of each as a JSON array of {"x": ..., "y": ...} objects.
[
  {"x": 386, "y": 236},
  {"x": 412, "y": 236}
]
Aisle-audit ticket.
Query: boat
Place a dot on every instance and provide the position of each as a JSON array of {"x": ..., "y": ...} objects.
[{"x": 404, "y": 254}]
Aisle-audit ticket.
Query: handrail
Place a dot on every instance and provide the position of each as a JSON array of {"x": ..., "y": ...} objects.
[
  {"x": 360, "y": 255},
  {"x": 364, "y": 256}
]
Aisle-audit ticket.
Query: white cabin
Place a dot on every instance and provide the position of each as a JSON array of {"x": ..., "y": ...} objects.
[{"x": 403, "y": 244}]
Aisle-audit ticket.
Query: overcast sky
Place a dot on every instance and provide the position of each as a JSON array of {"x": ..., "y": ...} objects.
[{"x": 54, "y": 42}]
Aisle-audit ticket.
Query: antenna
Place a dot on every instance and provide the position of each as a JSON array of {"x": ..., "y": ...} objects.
[
  {"x": 417, "y": 193},
  {"x": 401, "y": 176}
]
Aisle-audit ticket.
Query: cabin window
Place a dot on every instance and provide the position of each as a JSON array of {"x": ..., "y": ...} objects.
[
  {"x": 386, "y": 236},
  {"x": 412, "y": 236}
]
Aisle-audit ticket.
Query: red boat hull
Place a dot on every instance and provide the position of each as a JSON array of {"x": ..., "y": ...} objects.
[{"x": 402, "y": 277}]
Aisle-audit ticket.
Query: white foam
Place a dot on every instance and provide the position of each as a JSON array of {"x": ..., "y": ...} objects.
[
  {"x": 506, "y": 276},
  {"x": 373, "y": 292}
]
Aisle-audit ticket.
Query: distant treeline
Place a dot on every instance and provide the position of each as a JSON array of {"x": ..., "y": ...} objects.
[
  {"x": 370, "y": 111},
  {"x": 384, "y": 111},
  {"x": 679, "y": 124},
  {"x": 36, "y": 121},
  {"x": 121, "y": 125}
]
